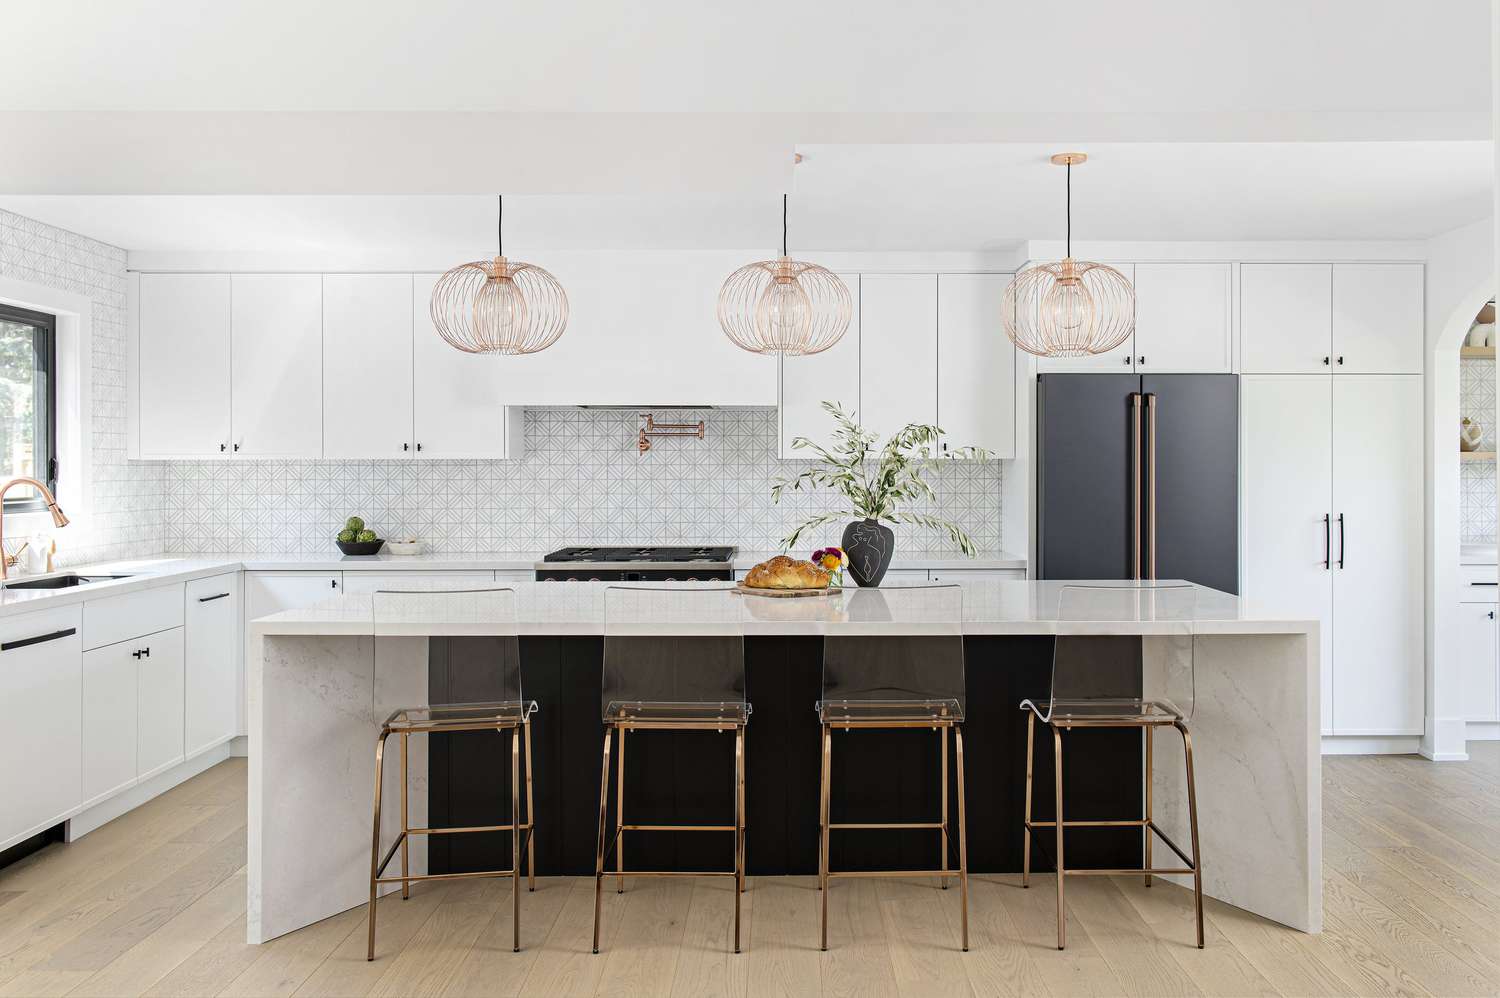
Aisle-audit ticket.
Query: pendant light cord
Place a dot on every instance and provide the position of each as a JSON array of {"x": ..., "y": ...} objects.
[
  {"x": 499, "y": 219},
  {"x": 1069, "y": 253},
  {"x": 783, "y": 225}
]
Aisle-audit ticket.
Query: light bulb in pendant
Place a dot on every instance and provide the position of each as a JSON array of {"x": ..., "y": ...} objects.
[{"x": 784, "y": 312}]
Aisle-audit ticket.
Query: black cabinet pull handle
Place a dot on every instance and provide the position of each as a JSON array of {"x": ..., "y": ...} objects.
[
  {"x": 1484, "y": 583},
  {"x": 334, "y": 583},
  {"x": 1127, "y": 361},
  {"x": 1341, "y": 540},
  {"x": 24, "y": 642},
  {"x": 236, "y": 446},
  {"x": 210, "y": 599},
  {"x": 142, "y": 653},
  {"x": 1341, "y": 360},
  {"x": 1327, "y": 550},
  {"x": 1325, "y": 361},
  {"x": 406, "y": 446},
  {"x": 419, "y": 446},
  {"x": 1141, "y": 359},
  {"x": 1492, "y": 614},
  {"x": 222, "y": 448}
]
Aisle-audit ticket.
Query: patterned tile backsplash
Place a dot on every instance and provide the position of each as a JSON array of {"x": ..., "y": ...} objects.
[
  {"x": 581, "y": 481},
  {"x": 1476, "y": 393}
]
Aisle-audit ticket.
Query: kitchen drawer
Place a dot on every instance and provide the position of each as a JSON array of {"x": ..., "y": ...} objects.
[
  {"x": 976, "y": 574},
  {"x": 370, "y": 582},
  {"x": 1477, "y": 584},
  {"x": 118, "y": 618}
]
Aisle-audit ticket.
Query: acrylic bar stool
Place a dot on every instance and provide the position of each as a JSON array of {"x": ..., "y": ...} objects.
[
  {"x": 897, "y": 662},
  {"x": 1114, "y": 682},
  {"x": 674, "y": 660},
  {"x": 485, "y": 620}
]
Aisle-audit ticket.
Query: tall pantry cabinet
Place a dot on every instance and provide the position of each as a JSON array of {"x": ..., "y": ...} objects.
[{"x": 1332, "y": 504}]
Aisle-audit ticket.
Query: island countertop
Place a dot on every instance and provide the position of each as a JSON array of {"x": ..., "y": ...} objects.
[{"x": 990, "y": 607}]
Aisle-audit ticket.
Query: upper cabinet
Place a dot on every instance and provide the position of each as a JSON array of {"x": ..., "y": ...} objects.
[
  {"x": 276, "y": 365},
  {"x": 183, "y": 364},
  {"x": 897, "y": 351},
  {"x": 976, "y": 365},
  {"x": 458, "y": 410},
  {"x": 1377, "y": 318},
  {"x": 1120, "y": 360},
  {"x": 1182, "y": 318},
  {"x": 367, "y": 366},
  {"x": 830, "y": 376}
]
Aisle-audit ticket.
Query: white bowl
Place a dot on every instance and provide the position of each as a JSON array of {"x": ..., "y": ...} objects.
[{"x": 404, "y": 547}]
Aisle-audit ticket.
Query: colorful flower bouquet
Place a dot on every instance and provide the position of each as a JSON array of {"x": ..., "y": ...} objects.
[{"x": 834, "y": 560}]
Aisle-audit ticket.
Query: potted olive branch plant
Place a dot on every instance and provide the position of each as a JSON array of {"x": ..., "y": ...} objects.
[{"x": 873, "y": 481}]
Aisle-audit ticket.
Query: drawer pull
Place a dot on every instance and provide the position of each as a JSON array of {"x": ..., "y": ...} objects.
[
  {"x": 1484, "y": 583},
  {"x": 210, "y": 599},
  {"x": 23, "y": 642}
]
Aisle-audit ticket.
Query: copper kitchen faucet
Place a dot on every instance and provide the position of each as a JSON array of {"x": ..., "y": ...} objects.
[{"x": 58, "y": 516}]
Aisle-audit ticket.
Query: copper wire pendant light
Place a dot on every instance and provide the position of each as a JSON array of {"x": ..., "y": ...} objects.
[
  {"x": 499, "y": 306},
  {"x": 1072, "y": 308},
  {"x": 784, "y": 306}
]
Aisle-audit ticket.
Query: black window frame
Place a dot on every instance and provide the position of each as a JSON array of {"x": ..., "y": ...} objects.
[{"x": 46, "y": 360}]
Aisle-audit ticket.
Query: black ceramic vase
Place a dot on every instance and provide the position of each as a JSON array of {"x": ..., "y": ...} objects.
[{"x": 869, "y": 545}]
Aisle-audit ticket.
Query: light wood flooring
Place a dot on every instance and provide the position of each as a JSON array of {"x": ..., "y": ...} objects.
[{"x": 154, "y": 903}]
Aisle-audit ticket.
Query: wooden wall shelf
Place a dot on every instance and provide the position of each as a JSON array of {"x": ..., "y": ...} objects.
[
  {"x": 1467, "y": 352},
  {"x": 1476, "y": 455}
]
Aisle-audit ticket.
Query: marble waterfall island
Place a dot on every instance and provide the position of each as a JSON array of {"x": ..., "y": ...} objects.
[{"x": 321, "y": 681}]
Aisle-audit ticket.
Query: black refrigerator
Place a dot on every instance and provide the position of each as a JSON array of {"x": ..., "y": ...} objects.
[{"x": 1138, "y": 477}]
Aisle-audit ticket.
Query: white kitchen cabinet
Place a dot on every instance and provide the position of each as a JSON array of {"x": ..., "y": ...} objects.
[
  {"x": 807, "y": 382},
  {"x": 271, "y": 592},
  {"x": 1286, "y": 318},
  {"x": 1377, "y": 318},
  {"x": 183, "y": 359},
  {"x": 211, "y": 672},
  {"x": 369, "y": 582},
  {"x": 41, "y": 687},
  {"x": 367, "y": 366},
  {"x": 458, "y": 409},
  {"x": 1182, "y": 318},
  {"x": 159, "y": 700},
  {"x": 897, "y": 351},
  {"x": 976, "y": 365},
  {"x": 1120, "y": 360},
  {"x": 276, "y": 365},
  {"x": 1286, "y": 504},
  {"x": 1477, "y": 646},
  {"x": 1378, "y": 578},
  {"x": 111, "y": 720}
]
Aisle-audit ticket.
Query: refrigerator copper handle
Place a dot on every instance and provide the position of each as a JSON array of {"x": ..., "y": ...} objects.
[
  {"x": 1151, "y": 485},
  {"x": 1135, "y": 485}
]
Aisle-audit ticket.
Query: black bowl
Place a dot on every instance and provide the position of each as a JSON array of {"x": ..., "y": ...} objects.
[{"x": 360, "y": 547}]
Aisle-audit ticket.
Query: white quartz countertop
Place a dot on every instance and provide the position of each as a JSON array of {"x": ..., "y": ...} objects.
[{"x": 996, "y": 607}]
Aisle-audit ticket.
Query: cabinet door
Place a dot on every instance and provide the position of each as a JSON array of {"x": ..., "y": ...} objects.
[
  {"x": 369, "y": 582},
  {"x": 159, "y": 701},
  {"x": 1286, "y": 321},
  {"x": 211, "y": 677},
  {"x": 1287, "y": 475},
  {"x": 110, "y": 720},
  {"x": 367, "y": 365},
  {"x": 807, "y": 382},
  {"x": 897, "y": 351},
  {"x": 41, "y": 678},
  {"x": 1377, "y": 318},
  {"x": 271, "y": 592},
  {"x": 1182, "y": 318},
  {"x": 459, "y": 411},
  {"x": 1120, "y": 360},
  {"x": 276, "y": 329},
  {"x": 184, "y": 365},
  {"x": 976, "y": 365},
  {"x": 1378, "y": 576},
  {"x": 1476, "y": 643}
]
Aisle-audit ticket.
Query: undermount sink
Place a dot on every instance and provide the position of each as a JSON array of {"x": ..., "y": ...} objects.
[{"x": 66, "y": 581}]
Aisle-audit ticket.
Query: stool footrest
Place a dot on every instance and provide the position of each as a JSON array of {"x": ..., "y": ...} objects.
[
  {"x": 414, "y": 878},
  {"x": 1128, "y": 872},
  {"x": 930, "y": 825},
  {"x": 893, "y": 873},
  {"x": 525, "y": 827}
]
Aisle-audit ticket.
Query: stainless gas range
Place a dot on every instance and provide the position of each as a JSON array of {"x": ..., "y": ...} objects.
[{"x": 637, "y": 564}]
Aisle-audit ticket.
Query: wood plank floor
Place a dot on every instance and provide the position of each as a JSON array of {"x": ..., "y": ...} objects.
[{"x": 153, "y": 904}]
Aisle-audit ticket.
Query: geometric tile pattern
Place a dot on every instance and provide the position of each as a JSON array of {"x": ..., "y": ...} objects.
[
  {"x": 125, "y": 520},
  {"x": 581, "y": 481},
  {"x": 1476, "y": 392}
]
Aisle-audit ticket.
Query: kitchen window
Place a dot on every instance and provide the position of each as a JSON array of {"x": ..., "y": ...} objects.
[{"x": 28, "y": 402}]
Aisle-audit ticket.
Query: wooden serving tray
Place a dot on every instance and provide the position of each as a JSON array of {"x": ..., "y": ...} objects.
[{"x": 753, "y": 591}]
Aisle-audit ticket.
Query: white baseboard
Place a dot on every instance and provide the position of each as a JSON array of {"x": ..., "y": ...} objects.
[
  {"x": 128, "y": 800},
  {"x": 1372, "y": 744},
  {"x": 1483, "y": 731},
  {"x": 240, "y": 746}
]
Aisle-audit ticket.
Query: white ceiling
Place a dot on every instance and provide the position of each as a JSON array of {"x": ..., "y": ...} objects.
[{"x": 861, "y": 198}]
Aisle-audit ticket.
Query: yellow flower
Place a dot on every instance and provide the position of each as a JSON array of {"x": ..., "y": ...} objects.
[{"x": 832, "y": 561}]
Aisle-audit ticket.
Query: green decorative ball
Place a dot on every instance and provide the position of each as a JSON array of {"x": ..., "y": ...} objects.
[
  {"x": 366, "y": 537},
  {"x": 355, "y": 524},
  {"x": 347, "y": 536}
]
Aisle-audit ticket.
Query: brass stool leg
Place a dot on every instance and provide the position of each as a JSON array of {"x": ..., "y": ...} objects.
[
  {"x": 375, "y": 839},
  {"x": 599, "y": 857},
  {"x": 530, "y": 818},
  {"x": 515, "y": 840},
  {"x": 943, "y": 832},
  {"x": 739, "y": 828},
  {"x": 1026, "y": 823},
  {"x": 405, "y": 823},
  {"x": 620, "y": 814},
  {"x": 1062, "y": 918},
  {"x": 1192, "y": 789},
  {"x": 963, "y": 841},
  {"x": 1150, "y": 731},
  {"x": 823, "y": 830},
  {"x": 745, "y": 763}
]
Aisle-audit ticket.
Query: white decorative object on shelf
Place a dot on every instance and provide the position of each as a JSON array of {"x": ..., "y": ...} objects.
[
  {"x": 409, "y": 546},
  {"x": 1482, "y": 334},
  {"x": 1470, "y": 435}
]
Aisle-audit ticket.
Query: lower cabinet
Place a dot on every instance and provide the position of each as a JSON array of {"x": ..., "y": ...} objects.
[
  {"x": 40, "y": 684},
  {"x": 369, "y": 582},
  {"x": 271, "y": 592},
  {"x": 132, "y": 711},
  {"x": 1481, "y": 669},
  {"x": 211, "y": 673}
]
